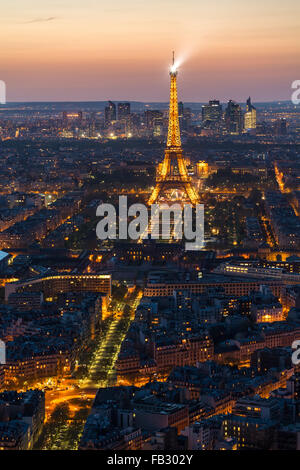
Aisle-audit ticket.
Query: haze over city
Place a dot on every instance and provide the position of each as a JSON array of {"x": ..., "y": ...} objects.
[{"x": 69, "y": 50}]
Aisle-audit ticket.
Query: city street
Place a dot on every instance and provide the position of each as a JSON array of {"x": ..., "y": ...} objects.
[{"x": 78, "y": 394}]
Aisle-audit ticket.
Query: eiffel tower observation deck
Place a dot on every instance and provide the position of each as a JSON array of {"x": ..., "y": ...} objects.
[{"x": 172, "y": 173}]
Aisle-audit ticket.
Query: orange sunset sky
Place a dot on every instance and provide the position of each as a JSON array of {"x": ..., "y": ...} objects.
[{"x": 97, "y": 50}]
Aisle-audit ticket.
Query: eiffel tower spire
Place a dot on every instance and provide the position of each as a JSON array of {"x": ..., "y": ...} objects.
[
  {"x": 173, "y": 129},
  {"x": 173, "y": 173}
]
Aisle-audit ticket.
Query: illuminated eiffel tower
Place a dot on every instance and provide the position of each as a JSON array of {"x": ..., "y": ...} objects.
[{"x": 172, "y": 173}]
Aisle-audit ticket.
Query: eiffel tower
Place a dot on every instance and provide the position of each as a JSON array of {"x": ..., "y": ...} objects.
[{"x": 172, "y": 173}]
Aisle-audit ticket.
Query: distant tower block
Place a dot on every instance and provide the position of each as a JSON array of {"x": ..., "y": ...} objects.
[
  {"x": 172, "y": 172},
  {"x": 2, "y": 352}
]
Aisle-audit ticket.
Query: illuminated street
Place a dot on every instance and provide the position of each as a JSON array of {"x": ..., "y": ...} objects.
[
  {"x": 79, "y": 395},
  {"x": 101, "y": 368}
]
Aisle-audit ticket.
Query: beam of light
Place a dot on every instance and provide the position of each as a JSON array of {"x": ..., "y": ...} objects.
[
  {"x": 183, "y": 56},
  {"x": 175, "y": 66}
]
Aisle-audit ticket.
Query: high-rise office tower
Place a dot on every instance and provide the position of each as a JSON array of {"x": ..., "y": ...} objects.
[
  {"x": 180, "y": 109},
  {"x": 212, "y": 111},
  {"x": 233, "y": 118},
  {"x": 250, "y": 116},
  {"x": 185, "y": 116},
  {"x": 158, "y": 125},
  {"x": 151, "y": 115},
  {"x": 92, "y": 125},
  {"x": 186, "y": 119},
  {"x": 110, "y": 113},
  {"x": 123, "y": 111}
]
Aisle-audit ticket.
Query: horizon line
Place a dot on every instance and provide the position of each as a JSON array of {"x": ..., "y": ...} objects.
[{"x": 139, "y": 101}]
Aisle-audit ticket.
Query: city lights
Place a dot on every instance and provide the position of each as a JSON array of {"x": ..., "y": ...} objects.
[{"x": 149, "y": 230}]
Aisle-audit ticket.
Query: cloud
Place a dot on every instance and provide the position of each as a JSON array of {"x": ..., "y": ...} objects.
[{"x": 41, "y": 20}]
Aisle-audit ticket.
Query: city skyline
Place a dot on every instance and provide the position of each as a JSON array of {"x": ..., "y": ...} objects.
[
  {"x": 66, "y": 52},
  {"x": 149, "y": 228}
]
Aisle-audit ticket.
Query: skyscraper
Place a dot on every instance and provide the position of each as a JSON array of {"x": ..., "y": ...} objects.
[
  {"x": 180, "y": 109},
  {"x": 233, "y": 118},
  {"x": 250, "y": 116},
  {"x": 110, "y": 113},
  {"x": 123, "y": 111},
  {"x": 186, "y": 119},
  {"x": 151, "y": 115},
  {"x": 212, "y": 111},
  {"x": 185, "y": 116}
]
